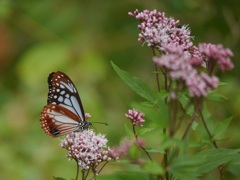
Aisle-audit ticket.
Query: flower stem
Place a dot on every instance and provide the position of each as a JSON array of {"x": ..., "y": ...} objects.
[
  {"x": 102, "y": 167},
  {"x": 207, "y": 129},
  {"x": 136, "y": 137},
  {"x": 86, "y": 174},
  {"x": 165, "y": 157},
  {"x": 156, "y": 69},
  {"x": 221, "y": 167},
  {"x": 77, "y": 170},
  {"x": 189, "y": 125}
]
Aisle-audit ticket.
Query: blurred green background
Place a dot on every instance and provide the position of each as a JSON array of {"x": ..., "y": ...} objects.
[{"x": 80, "y": 38}]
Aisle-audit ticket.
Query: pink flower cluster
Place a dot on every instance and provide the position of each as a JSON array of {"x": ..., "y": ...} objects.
[
  {"x": 135, "y": 116},
  {"x": 88, "y": 148},
  {"x": 213, "y": 54},
  {"x": 119, "y": 151},
  {"x": 159, "y": 31},
  {"x": 177, "y": 63}
]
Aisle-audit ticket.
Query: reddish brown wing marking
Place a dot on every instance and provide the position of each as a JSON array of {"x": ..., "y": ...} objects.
[{"x": 57, "y": 120}]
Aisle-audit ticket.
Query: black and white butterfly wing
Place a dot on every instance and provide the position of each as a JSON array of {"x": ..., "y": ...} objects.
[
  {"x": 63, "y": 92},
  {"x": 64, "y": 112}
]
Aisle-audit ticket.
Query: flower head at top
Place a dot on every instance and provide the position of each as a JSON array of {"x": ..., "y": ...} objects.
[
  {"x": 87, "y": 148},
  {"x": 135, "y": 116},
  {"x": 158, "y": 31}
]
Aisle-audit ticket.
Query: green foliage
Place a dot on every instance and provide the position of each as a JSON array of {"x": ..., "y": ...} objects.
[
  {"x": 125, "y": 175},
  {"x": 220, "y": 127},
  {"x": 58, "y": 178},
  {"x": 201, "y": 162},
  {"x": 153, "y": 168},
  {"x": 167, "y": 143},
  {"x": 216, "y": 97},
  {"x": 234, "y": 164},
  {"x": 214, "y": 158},
  {"x": 185, "y": 102},
  {"x": 135, "y": 84}
]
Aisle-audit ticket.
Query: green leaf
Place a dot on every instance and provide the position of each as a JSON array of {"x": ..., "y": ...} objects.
[
  {"x": 216, "y": 97},
  {"x": 214, "y": 158},
  {"x": 156, "y": 150},
  {"x": 222, "y": 84},
  {"x": 222, "y": 126},
  {"x": 200, "y": 163},
  {"x": 185, "y": 167},
  {"x": 58, "y": 178},
  {"x": 168, "y": 143},
  {"x": 135, "y": 84},
  {"x": 184, "y": 100},
  {"x": 234, "y": 165},
  {"x": 153, "y": 168},
  {"x": 143, "y": 130}
]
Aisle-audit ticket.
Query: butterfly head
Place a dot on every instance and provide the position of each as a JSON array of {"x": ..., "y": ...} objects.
[{"x": 84, "y": 125}]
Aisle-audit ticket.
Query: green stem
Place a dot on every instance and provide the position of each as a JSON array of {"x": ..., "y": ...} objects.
[
  {"x": 221, "y": 167},
  {"x": 102, "y": 167},
  {"x": 207, "y": 129},
  {"x": 77, "y": 169},
  {"x": 189, "y": 125},
  {"x": 136, "y": 137}
]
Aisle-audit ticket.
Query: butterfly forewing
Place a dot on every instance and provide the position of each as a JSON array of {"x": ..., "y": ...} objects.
[
  {"x": 63, "y": 92},
  {"x": 64, "y": 112}
]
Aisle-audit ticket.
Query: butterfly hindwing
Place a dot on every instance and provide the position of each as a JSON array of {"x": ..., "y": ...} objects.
[{"x": 56, "y": 120}]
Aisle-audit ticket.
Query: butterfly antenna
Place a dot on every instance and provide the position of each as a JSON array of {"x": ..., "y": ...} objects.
[{"x": 100, "y": 123}]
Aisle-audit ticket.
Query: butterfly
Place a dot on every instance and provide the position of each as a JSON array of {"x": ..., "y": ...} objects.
[{"x": 64, "y": 112}]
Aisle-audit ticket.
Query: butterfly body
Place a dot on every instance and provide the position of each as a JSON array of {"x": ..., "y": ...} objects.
[{"x": 64, "y": 112}]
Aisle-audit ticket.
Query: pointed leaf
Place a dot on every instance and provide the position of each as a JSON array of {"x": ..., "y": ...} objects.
[
  {"x": 143, "y": 130},
  {"x": 214, "y": 158},
  {"x": 222, "y": 126},
  {"x": 216, "y": 97},
  {"x": 202, "y": 162},
  {"x": 135, "y": 84}
]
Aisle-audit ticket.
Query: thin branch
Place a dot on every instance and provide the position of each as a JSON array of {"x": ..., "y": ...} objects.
[
  {"x": 207, "y": 129},
  {"x": 82, "y": 174},
  {"x": 189, "y": 125},
  {"x": 157, "y": 75},
  {"x": 77, "y": 168},
  {"x": 86, "y": 174},
  {"x": 103, "y": 167},
  {"x": 157, "y": 78},
  {"x": 136, "y": 137},
  {"x": 221, "y": 167}
]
